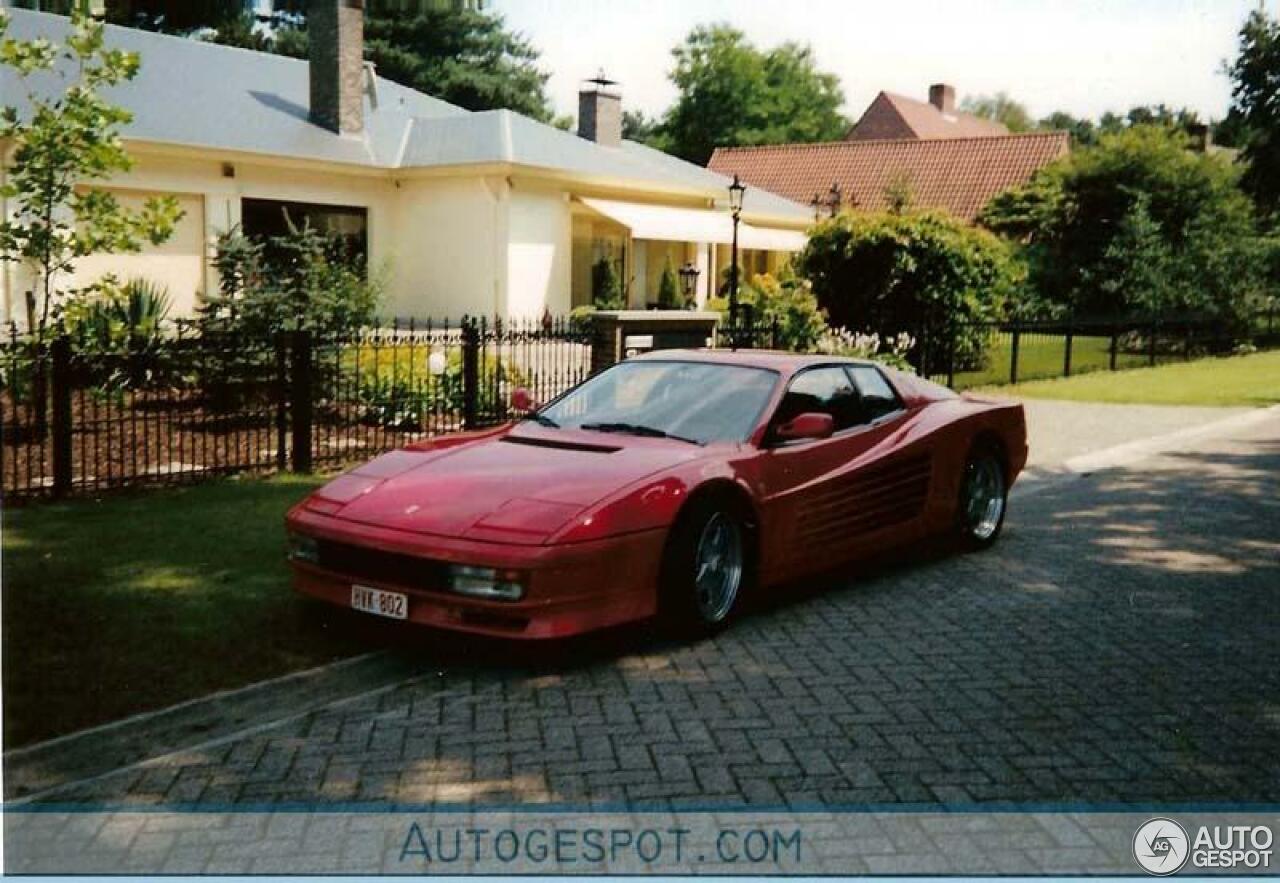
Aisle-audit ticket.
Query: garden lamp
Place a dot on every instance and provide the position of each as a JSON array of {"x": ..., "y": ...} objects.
[{"x": 688, "y": 279}]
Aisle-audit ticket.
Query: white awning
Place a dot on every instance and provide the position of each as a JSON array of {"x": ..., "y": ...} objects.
[
  {"x": 670, "y": 224},
  {"x": 770, "y": 238},
  {"x": 666, "y": 223}
]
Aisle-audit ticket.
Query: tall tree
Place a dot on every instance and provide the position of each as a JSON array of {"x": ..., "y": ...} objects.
[
  {"x": 1083, "y": 131},
  {"x": 1255, "y": 95},
  {"x": 1135, "y": 223},
  {"x": 1000, "y": 108},
  {"x": 731, "y": 93},
  {"x": 61, "y": 144}
]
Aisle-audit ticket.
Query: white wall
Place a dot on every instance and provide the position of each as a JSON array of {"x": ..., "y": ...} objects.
[
  {"x": 212, "y": 200},
  {"x": 448, "y": 247},
  {"x": 540, "y": 243}
]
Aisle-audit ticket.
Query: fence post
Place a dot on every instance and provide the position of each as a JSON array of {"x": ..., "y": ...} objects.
[
  {"x": 1066, "y": 351},
  {"x": 470, "y": 372},
  {"x": 60, "y": 351},
  {"x": 776, "y": 342},
  {"x": 1151, "y": 343},
  {"x": 1115, "y": 343},
  {"x": 282, "y": 401},
  {"x": 300, "y": 399},
  {"x": 1013, "y": 354}
]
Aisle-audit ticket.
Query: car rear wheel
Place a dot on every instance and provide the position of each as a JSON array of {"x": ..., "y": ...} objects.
[
  {"x": 984, "y": 497},
  {"x": 706, "y": 568}
]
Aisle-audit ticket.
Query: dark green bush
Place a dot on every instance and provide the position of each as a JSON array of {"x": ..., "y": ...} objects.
[{"x": 888, "y": 273}]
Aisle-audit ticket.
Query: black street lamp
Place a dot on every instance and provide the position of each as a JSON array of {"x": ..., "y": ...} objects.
[
  {"x": 688, "y": 280},
  {"x": 736, "y": 191},
  {"x": 835, "y": 199}
]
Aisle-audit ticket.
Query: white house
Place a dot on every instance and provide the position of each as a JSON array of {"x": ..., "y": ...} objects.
[{"x": 481, "y": 213}]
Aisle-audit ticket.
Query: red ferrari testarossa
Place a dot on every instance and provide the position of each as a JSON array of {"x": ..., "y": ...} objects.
[{"x": 670, "y": 484}]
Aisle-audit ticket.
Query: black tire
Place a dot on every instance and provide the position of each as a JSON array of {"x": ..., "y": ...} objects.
[
  {"x": 981, "y": 507},
  {"x": 684, "y": 610}
]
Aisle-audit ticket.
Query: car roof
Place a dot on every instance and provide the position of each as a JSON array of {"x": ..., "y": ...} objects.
[{"x": 774, "y": 360}]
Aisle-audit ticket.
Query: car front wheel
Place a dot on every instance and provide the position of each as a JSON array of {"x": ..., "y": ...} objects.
[{"x": 705, "y": 569}]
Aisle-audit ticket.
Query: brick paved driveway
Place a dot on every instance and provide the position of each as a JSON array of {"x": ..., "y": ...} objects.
[{"x": 1121, "y": 643}]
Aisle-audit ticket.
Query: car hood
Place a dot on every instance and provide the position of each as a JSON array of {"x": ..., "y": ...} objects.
[{"x": 520, "y": 487}]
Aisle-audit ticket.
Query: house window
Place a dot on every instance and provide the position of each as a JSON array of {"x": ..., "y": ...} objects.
[{"x": 349, "y": 225}]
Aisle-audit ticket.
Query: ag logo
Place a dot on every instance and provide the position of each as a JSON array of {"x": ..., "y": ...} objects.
[{"x": 1161, "y": 847}]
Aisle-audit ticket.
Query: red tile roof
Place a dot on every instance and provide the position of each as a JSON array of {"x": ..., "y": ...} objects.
[
  {"x": 959, "y": 175},
  {"x": 921, "y": 120}
]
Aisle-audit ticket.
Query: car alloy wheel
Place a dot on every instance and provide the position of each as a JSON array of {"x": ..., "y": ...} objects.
[
  {"x": 718, "y": 565},
  {"x": 982, "y": 500}
]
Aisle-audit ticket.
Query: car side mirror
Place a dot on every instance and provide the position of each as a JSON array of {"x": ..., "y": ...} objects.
[
  {"x": 522, "y": 400},
  {"x": 809, "y": 425}
]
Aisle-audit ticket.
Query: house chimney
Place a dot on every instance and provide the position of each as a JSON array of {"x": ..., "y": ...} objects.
[
  {"x": 336, "y": 30},
  {"x": 1201, "y": 137},
  {"x": 943, "y": 97},
  {"x": 600, "y": 112}
]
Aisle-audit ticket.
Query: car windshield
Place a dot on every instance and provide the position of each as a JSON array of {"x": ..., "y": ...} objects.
[{"x": 698, "y": 402}]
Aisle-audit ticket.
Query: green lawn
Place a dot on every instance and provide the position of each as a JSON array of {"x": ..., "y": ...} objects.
[
  {"x": 1042, "y": 355},
  {"x": 130, "y": 603},
  {"x": 1234, "y": 380}
]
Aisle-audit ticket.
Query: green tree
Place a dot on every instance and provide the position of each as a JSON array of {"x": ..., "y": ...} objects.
[
  {"x": 1100, "y": 213},
  {"x": 1083, "y": 131},
  {"x": 1255, "y": 100},
  {"x": 1000, "y": 108},
  {"x": 731, "y": 93},
  {"x": 60, "y": 145},
  {"x": 668, "y": 288},
  {"x": 636, "y": 126},
  {"x": 890, "y": 273},
  {"x": 607, "y": 291}
]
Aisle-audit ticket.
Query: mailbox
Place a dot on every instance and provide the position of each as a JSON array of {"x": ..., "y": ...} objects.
[{"x": 621, "y": 334}]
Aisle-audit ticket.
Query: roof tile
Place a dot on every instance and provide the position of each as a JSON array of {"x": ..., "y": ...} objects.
[{"x": 959, "y": 175}]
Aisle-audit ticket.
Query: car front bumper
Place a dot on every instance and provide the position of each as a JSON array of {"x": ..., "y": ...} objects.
[{"x": 569, "y": 589}]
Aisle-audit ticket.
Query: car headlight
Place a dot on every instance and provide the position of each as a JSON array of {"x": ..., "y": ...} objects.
[
  {"x": 303, "y": 548},
  {"x": 486, "y": 582}
]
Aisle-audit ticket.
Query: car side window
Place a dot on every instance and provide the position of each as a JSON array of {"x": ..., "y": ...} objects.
[
  {"x": 877, "y": 396},
  {"x": 824, "y": 391}
]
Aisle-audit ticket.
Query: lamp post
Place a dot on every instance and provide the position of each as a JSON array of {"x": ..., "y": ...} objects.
[
  {"x": 688, "y": 280},
  {"x": 835, "y": 199},
  {"x": 736, "y": 191}
]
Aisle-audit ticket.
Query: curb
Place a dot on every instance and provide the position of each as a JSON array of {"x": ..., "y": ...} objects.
[{"x": 85, "y": 755}]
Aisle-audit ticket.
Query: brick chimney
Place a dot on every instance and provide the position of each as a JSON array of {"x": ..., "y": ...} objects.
[
  {"x": 600, "y": 111},
  {"x": 943, "y": 97},
  {"x": 336, "y": 30},
  {"x": 1201, "y": 137}
]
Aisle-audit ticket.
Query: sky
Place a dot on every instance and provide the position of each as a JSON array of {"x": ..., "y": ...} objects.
[{"x": 1084, "y": 57}]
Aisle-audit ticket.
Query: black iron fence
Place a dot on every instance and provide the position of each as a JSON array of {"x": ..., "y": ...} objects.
[
  {"x": 187, "y": 407},
  {"x": 191, "y": 406},
  {"x": 964, "y": 355}
]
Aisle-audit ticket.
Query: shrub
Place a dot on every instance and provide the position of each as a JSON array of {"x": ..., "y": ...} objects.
[
  {"x": 397, "y": 389},
  {"x": 299, "y": 280},
  {"x": 862, "y": 345},
  {"x": 669, "y": 289},
  {"x": 120, "y": 328},
  {"x": 606, "y": 286},
  {"x": 890, "y": 273},
  {"x": 1137, "y": 223},
  {"x": 112, "y": 317}
]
